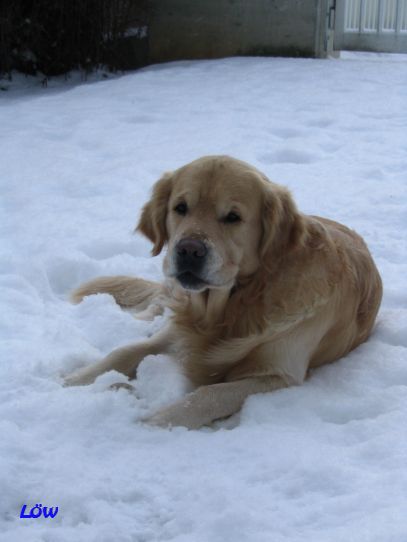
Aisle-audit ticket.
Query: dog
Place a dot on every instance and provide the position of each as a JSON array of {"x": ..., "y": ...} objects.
[{"x": 259, "y": 292}]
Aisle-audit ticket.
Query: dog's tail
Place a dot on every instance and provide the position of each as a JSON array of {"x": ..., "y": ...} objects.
[{"x": 145, "y": 296}]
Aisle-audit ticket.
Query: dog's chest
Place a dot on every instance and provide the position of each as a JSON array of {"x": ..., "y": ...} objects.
[{"x": 207, "y": 355}]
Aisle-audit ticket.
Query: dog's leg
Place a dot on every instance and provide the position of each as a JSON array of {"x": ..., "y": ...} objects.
[
  {"x": 209, "y": 403},
  {"x": 128, "y": 292},
  {"x": 124, "y": 360}
]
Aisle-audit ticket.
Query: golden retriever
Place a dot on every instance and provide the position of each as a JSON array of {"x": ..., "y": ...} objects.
[{"x": 260, "y": 293}]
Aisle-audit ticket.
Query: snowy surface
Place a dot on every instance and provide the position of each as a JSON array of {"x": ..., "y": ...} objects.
[{"x": 325, "y": 462}]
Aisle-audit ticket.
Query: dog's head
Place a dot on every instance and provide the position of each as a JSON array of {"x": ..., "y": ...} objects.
[{"x": 222, "y": 219}]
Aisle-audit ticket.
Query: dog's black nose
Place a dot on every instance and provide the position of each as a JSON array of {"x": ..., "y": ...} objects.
[
  {"x": 191, "y": 249},
  {"x": 190, "y": 254}
]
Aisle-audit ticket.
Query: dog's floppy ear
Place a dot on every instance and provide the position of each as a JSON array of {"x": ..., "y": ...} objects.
[
  {"x": 153, "y": 217},
  {"x": 284, "y": 227}
]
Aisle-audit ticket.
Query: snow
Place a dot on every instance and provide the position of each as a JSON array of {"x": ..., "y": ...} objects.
[{"x": 322, "y": 462}]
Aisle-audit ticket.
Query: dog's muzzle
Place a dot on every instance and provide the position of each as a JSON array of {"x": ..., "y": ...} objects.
[{"x": 190, "y": 261}]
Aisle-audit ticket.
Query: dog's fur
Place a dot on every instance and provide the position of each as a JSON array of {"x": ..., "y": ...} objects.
[{"x": 277, "y": 292}]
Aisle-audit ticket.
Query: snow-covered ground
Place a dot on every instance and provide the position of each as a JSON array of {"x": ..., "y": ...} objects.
[{"x": 326, "y": 462}]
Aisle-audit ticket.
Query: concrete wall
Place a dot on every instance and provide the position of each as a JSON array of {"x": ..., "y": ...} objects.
[{"x": 193, "y": 29}]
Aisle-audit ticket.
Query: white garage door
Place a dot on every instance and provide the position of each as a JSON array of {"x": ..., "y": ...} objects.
[{"x": 371, "y": 25}]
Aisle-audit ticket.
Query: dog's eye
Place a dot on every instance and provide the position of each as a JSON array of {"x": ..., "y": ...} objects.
[
  {"x": 181, "y": 208},
  {"x": 232, "y": 217}
]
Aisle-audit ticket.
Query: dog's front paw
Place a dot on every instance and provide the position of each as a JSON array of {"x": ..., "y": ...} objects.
[
  {"x": 169, "y": 418},
  {"x": 177, "y": 415},
  {"x": 81, "y": 377}
]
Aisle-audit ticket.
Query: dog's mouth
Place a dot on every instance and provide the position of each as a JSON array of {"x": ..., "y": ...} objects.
[{"x": 189, "y": 281}]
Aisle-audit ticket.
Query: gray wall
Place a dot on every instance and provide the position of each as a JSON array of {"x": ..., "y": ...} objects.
[{"x": 193, "y": 29}]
